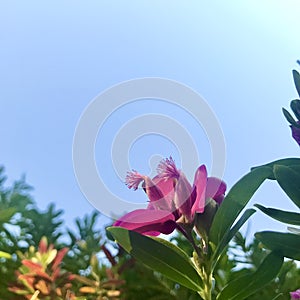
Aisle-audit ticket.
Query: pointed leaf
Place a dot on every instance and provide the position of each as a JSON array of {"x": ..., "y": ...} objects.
[
  {"x": 88, "y": 290},
  {"x": 296, "y": 76},
  {"x": 59, "y": 257},
  {"x": 294, "y": 230},
  {"x": 5, "y": 255},
  {"x": 227, "y": 237},
  {"x": 164, "y": 257},
  {"x": 31, "y": 265},
  {"x": 235, "y": 201},
  {"x": 289, "y": 162},
  {"x": 35, "y": 295},
  {"x": 281, "y": 215},
  {"x": 289, "y": 117},
  {"x": 85, "y": 280},
  {"x": 243, "y": 287},
  {"x": 289, "y": 180},
  {"x": 295, "y": 106},
  {"x": 287, "y": 243}
]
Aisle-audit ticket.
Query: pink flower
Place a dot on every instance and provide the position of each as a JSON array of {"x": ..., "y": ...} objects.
[
  {"x": 295, "y": 295},
  {"x": 173, "y": 199}
]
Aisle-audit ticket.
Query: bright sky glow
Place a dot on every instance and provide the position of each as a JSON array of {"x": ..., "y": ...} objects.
[{"x": 56, "y": 56}]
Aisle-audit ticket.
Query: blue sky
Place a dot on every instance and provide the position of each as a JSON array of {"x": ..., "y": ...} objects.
[{"x": 56, "y": 56}]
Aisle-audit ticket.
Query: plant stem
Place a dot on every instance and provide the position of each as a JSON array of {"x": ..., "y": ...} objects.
[
  {"x": 204, "y": 267},
  {"x": 207, "y": 280},
  {"x": 202, "y": 261}
]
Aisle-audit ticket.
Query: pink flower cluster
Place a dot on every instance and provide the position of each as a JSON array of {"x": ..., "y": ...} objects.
[{"x": 173, "y": 200}]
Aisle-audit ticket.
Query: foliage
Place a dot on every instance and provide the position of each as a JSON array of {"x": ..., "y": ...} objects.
[
  {"x": 207, "y": 257},
  {"x": 287, "y": 174},
  {"x": 101, "y": 270},
  {"x": 173, "y": 203},
  {"x": 40, "y": 270}
]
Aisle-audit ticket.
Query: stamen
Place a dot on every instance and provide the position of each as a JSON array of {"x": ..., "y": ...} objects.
[
  {"x": 167, "y": 169},
  {"x": 133, "y": 179}
]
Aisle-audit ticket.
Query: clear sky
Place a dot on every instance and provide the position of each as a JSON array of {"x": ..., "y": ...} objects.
[{"x": 56, "y": 56}]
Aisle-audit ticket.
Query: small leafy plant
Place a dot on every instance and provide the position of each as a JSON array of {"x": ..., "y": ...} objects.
[{"x": 41, "y": 271}]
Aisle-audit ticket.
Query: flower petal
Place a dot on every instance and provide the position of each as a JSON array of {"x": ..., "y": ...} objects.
[
  {"x": 199, "y": 188},
  {"x": 147, "y": 221},
  {"x": 183, "y": 197},
  {"x": 166, "y": 186},
  {"x": 215, "y": 189}
]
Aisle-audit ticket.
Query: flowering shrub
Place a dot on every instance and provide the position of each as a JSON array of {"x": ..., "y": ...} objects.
[
  {"x": 209, "y": 221},
  {"x": 206, "y": 257}
]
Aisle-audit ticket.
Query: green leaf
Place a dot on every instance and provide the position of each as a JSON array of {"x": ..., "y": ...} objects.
[
  {"x": 243, "y": 287},
  {"x": 5, "y": 255},
  {"x": 289, "y": 117},
  {"x": 287, "y": 243},
  {"x": 296, "y": 76},
  {"x": 295, "y": 106},
  {"x": 235, "y": 201},
  {"x": 281, "y": 215},
  {"x": 163, "y": 257},
  {"x": 289, "y": 162},
  {"x": 6, "y": 214},
  {"x": 294, "y": 230},
  {"x": 227, "y": 237},
  {"x": 289, "y": 180}
]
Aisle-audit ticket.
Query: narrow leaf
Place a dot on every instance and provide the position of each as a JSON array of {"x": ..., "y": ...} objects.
[
  {"x": 295, "y": 106},
  {"x": 289, "y": 180},
  {"x": 294, "y": 230},
  {"x": 296, "y": 76},
  {"x": 281, "y": 215},
  {"x": 5, "y": 255},
  {"x": 289, "y": 117},
  {"x": 235, "y": 201},
  {"x": 227, "y": 238},
  {"x": 164, "y": 257},
  {"x": 287, "y": 243},
  {"x": 289, "y": 162},
  {"x": 243, "y": 287}
]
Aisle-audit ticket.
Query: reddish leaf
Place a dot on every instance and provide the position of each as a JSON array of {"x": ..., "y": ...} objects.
[
  {"x": 59, "y": 257},
  {"x": 43, "y": 245},
  {"x": 43, "y": 275},
  {"x": 31, "y": 265}
]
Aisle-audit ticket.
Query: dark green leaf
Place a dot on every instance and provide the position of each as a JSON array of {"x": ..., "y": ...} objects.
[
  {"x": 243, "y": 287},
  {"x": 295, "y": 106},
  {"x": 281, "y": 215},
  {"x": 164, "y": 257},
  {"x": 287, "y": 243},
  {"x": 294, "y": 230},
  {"x": 296, "y": 76},
  {"x": 6, "y": 214},
  {"x": 235, "y": 201},
  {"x": 227, "y": 237},
  {"x": 290, "y": 162},
  {"x": 289, "y": 180},
  {"x": 289, "y": 117}
]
